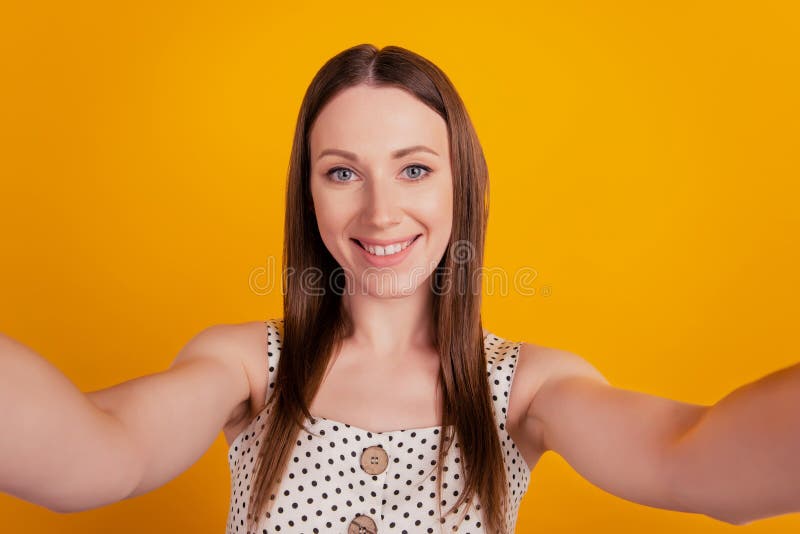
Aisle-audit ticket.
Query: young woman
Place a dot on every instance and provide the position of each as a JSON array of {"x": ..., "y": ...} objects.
[{"x": 378, "y": 403}]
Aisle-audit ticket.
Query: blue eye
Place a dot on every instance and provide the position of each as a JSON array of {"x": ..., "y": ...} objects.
[
  {"x": 337, "y": 169},
  {"x": 417, "y": 177},
  {"x": 342, "y": 178}
]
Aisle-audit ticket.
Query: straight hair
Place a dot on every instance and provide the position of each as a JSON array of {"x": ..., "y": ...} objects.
[{"x": 315, "y": 322}]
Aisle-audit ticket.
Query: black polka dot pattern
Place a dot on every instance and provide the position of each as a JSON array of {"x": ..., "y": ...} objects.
[{"x": 326, "y": 487}]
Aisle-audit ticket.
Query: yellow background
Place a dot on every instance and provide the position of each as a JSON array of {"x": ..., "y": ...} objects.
[{"x": 644, "y": 162}]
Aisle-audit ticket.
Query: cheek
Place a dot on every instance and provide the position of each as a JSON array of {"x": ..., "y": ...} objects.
[
  {"x": 437, "y": 208},
  {"x": 329, "y": 231},
  {"x": 328, "y": 222},
  {"x": 325, "y": 211}
]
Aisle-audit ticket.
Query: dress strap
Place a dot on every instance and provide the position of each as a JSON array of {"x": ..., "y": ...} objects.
[
  {"x": 501, "y": 363},
  {"x": 273, "y": 349}
]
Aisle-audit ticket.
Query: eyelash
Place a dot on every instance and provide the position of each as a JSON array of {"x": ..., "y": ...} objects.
[{"x": 330, "y": 173}]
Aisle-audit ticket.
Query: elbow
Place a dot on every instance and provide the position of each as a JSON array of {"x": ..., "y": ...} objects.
[
  {"x": 735, "y": 521},
  {"x": 691, "y": 504},
  {"x": 58, "y": 504},
  {"x": 74, "y": 504},
  {"x": 687, "y": 495},
  {"x": 58, "y": 508},
  {"x": 95, "y": 489},
  {"x": 84, "y": 501}
]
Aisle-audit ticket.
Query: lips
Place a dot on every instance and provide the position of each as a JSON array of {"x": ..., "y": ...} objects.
[{"x": 386, "y": 260}]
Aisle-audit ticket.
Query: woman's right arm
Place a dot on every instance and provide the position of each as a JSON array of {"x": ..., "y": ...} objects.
[{"x": 71, "y": 451}]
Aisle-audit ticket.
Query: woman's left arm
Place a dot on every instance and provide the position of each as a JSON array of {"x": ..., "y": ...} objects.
[
  {"x": 737, "y": 460},
  {"x": 742, "y": 457}
]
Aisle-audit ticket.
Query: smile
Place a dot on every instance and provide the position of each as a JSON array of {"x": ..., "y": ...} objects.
[
  {"x": 386, "y": 250},
  {"x": 388, "y": 254}
]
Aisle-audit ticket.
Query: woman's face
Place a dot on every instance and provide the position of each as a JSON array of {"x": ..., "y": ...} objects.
[{"x": 381, "y": 178}]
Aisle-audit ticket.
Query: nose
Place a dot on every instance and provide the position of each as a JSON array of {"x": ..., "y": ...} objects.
[{"x": 382, "y": 204}]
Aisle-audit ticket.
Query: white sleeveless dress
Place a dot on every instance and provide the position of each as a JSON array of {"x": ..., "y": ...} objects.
[{"x": 345, "y": 479}]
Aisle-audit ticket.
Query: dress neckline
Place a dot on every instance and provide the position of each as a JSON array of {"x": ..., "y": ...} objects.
[{"x": 332, "y": 422}]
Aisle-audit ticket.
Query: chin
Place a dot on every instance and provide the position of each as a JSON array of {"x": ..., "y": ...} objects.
[{"x": 391, "y": 284}]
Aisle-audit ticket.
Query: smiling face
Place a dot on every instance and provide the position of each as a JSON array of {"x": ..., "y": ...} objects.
[{"x": 380, "y": 178}]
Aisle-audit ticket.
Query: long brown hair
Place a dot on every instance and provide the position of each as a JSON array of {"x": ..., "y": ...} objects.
[{"x": 311, "y": 307}]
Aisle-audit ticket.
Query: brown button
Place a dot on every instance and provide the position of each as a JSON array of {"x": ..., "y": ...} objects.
[
  {"x": 374, "y": 460},
  {"x": 362, "y": 524}
]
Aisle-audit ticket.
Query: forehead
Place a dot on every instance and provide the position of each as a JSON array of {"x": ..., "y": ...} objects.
[{"x": 373, "y": 121}]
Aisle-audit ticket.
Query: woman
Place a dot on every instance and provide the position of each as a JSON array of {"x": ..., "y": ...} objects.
[{"x": 384, "y": 235}]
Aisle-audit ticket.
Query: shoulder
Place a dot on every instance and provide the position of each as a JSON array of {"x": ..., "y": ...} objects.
[
  {"x": 539, "y": 366},
  {"x": 227, "y": 342},
  {"x": 258, "y": 346},
  {"x": 247, "y": 341},
  {"x": 542, "y": 363},
  {"x": 235, "y": 338},
  {"x": 240, "y": 346}
]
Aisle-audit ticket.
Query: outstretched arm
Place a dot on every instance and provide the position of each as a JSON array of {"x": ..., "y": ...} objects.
[
  {"x": 742, "y": 458},
  {"x": 70, "y": 451},
  {"x": 665, "y": 453}
]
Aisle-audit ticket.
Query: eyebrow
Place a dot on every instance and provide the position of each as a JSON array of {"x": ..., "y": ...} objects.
[{"x": 395, "y": 155}]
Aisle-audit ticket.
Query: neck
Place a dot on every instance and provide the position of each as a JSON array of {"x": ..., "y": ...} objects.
[{"x": 385, "y": 327}]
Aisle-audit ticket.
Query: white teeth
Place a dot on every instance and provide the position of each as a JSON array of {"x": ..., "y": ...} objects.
[{"x": 388, "y": 250}]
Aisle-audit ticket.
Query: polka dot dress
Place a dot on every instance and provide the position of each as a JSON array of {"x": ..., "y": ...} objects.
[{"x": 345, "y": 479}]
